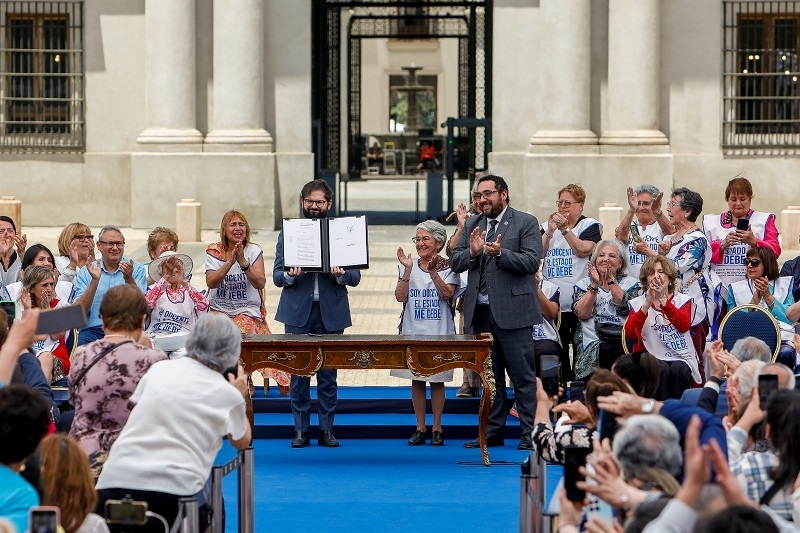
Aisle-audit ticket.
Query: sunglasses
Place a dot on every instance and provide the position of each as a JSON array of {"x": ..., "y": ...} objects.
[{"x": 752, "y": 262}]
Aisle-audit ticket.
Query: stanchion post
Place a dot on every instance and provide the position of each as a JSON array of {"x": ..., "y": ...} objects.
[
  {"x": 247, "y": 492},
  {"x": 218, "y": 516},
  {"x": 190, "y": 521}
]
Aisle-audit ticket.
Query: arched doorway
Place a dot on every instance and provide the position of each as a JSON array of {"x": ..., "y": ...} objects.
[{"x": 339, "y": 141}]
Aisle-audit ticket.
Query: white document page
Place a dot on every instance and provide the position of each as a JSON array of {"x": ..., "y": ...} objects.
[
  {"x": 347, "y": 238},
  {"x": 302, "y": 242}
]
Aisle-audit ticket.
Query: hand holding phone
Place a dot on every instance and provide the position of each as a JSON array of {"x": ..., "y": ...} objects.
[
  {"x": 743, "y": 224},
  {"x": 635, "y": 233},
  {"x": 44, "y": 519},
  {"x": 767, "y": 385},
  {"x": 549, "y": 372},
  {"x": 576, "y": 391},
  {"x": 574, "y": 458},
  {"x": 608, "y": 425}
]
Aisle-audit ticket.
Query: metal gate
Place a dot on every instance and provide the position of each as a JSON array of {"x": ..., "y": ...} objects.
[{"x": 469, "y": 21}]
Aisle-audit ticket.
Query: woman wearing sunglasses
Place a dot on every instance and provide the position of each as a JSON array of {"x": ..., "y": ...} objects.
[
  {"x": 764, "y": 287},
  {"x": 75, "y": 248}
]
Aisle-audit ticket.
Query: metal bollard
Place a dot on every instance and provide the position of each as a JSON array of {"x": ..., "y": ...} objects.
[
  {"x": 247, "y": 492},
  {"x": 190, "y": 516},
  {"x": 217, "y": 520}
]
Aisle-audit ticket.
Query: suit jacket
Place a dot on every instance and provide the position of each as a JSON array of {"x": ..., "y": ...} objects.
[
  {"x": 294, "y": 307},
  {"x": 510, "y": 278}
]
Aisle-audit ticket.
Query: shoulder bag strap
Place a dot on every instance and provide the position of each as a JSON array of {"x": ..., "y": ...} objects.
[
  {"x": 771, "y": 492},
  {"x": 95, "y": 361}
]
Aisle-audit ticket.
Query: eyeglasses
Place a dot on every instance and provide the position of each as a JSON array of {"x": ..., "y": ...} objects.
[
  {"x": 112, "y": 244},
  {"x": 645, "y": 203},
  {"x": 426, "y": 239},
  {"x": 83, "y": 237},
  {"x": 565, "y": 203},
  {"x": 485, "y": 194},
  {"x": 674, "y": 204},
  {"x": 752, "y": 262},
  {"x": 317, "y": 203}
]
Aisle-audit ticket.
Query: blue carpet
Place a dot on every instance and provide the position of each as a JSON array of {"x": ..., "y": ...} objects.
[{"x": 380, "y": 485}]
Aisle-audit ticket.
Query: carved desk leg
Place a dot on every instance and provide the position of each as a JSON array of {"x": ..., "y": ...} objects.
[{"x": 490, "y": 387}]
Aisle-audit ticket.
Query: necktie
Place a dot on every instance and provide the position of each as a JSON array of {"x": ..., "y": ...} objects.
[{"x": 489, "y": 238}]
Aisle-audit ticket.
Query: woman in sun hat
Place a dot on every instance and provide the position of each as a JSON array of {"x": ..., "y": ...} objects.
[{"x": 174, "y": 304}]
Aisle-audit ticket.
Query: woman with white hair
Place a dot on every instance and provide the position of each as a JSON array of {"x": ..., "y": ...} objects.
[
  {"x": 183, "y": 409},
  {"x": 426, "y": 287},
  {"x": 601, "y": 304}
]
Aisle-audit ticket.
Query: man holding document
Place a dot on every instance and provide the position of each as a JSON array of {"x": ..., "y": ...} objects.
[{"x": 312, "y": 302}]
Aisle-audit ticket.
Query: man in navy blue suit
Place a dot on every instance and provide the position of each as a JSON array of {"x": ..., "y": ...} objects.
[{"x": 313, "y": 303}]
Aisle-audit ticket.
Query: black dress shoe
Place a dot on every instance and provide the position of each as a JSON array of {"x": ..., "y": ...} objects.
[
  {"x": 417, "y": 438},
  {"x": 301, "y": 440},
  {"x": 491, "y": 442},
  {"x": 437, "y": 439},
  {"x": 525, "y": 443},
  {"x": 465, "y": 391},
  {"x": 327, "y": 439}
]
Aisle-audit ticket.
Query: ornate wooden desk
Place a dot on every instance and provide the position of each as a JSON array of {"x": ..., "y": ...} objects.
[{"x": 423, "y": 355}]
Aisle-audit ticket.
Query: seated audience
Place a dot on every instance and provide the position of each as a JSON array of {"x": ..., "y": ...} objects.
[
  {"x": 765, "y": 288},
  {"x": 65, "y": 481},
  {"x": 95, "y": 279},
  {"x": 75, "y": 249},
  {"x": 105, "y": 373},
  {"x": 52, "y": 352},
  {"x": 24, "y": 420},
  {"x": 712, "y": 397},
  {"x": 39, "y": 254},
  {"x": 641, "y": 371},
  {"x": 160, "y": 240},
  {"x": 12, "y": 248},
  {"x": 600, "y": 302},
  {"x": 659, "y": 322},
  {"x": 184, "y": 408},
  {"x": 174, "y": 304}
]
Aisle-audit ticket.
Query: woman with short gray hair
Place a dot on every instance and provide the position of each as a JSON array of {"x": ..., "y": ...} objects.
[
  {"x": 426, "y": 287},
  {"x": 643, "y": 226},
  {"x": 600, "y": 301},
  {"x": 184, "y": 408},
  {"x": 690, "y": 251}
]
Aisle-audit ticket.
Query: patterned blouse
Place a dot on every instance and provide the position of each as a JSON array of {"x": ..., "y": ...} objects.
[
  {"x": 101, "y": 397},
  {"x": 550, "y": 444}
]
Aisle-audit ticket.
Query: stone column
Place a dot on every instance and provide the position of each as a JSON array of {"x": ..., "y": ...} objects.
[
  {"x": 238, "y": 117},
  {"x": 631, "y": 117},
  {"x": 564, "y": 91},
  {"x": 170, "y": 77}
]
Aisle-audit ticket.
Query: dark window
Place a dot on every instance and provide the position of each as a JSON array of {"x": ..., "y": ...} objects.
[{"x": 42, "y": 76}]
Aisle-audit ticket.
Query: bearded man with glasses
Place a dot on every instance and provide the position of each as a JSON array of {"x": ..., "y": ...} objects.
[
  {"x": 95, "y": 278},
  {"x": 317, "y": 303},
  {"x": 500, "y": 249}
]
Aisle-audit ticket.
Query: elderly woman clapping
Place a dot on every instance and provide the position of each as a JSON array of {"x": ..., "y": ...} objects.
[
  {"x": 184, "y": 408},
  {"x": 601, "y": 304},
  {"x": 426, "y": 288}
]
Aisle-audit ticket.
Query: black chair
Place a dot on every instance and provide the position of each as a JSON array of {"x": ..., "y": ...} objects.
[{"x": 750, "y": 320}]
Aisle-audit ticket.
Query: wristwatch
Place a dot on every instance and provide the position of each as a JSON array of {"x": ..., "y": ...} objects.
[
  {"x": 611, "y": 282},
  {"x": 625, "y": 500},
  {"x": 648, "y": 406}
]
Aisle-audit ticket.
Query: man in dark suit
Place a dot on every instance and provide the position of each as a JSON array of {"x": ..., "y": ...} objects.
[
  {"x": 313, "y": 303},
  {"x": 500, "y": 248}
]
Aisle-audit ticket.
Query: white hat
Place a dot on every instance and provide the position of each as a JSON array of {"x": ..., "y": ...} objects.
[{"x": 154, "y": 269}]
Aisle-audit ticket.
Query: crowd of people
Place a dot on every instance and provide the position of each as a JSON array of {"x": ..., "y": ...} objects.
[{"x": 635, "y": 318}]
